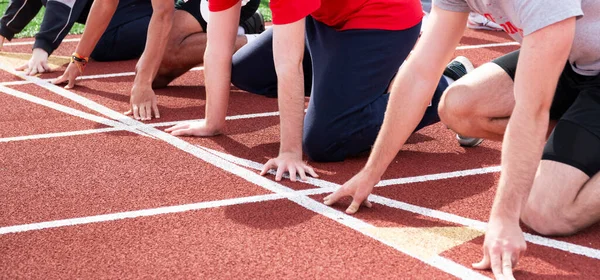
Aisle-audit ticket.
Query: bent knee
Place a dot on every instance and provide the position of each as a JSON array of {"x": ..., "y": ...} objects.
[
  {"x": 548, "y": 220},
  {"x": 319, "y": 148},
  {"x": 456, "y": 108}
]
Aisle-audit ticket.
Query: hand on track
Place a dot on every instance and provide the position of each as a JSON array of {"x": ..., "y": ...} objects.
[
  {"x": 38, "y": 63},
  {"x": 1, "y": 42},
  {"x": 503, "y": 246},
  {"x": 192, "y": 129},
  {"x": 359, "y": 188},
  {"x": 143, "y": 103},
  {"x": 290, "y": 162},
  {"x": 69, "y": 76}
]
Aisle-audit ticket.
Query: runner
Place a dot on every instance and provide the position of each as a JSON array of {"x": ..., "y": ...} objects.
[
  {"x": 182, "y": 49},
  {"x": 354, "y": 49},
  {"x": 564, "y": 195}
]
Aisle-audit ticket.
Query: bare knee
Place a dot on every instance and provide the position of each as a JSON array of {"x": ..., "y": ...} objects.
[
  {"x": 547, "y": 219},
  {"x": 456, "y": 108}
]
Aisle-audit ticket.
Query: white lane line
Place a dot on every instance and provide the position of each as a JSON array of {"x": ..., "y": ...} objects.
[
  {"x": 62, "y": 108},
  {"x": 439, "y": 176},
  {"x": 88, "y": 77},
  {"x": 250, "y": 176},
  {"x": 363, "y": 227},
  {"x": 482, "y": 46},
  {"x": 59, "y": 134},
  {"x": 479, "y": 225},
  {"x": 154, "y": 211},
  {"x": 25, "y": 43},
  {"x": 112, "y": 129}
]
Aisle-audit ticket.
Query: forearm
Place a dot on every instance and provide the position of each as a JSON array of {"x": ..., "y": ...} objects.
[
  {"x": 291, "y": 109},
  {"x": 217, "y": 65},
  {"x": 288, "y": 52},
  {"x": 17, "y": 15},
  {"x": 414, "y": 87},
  {"x": 521, "y": 153},
  {"x": 156, "y": 42},
  {"x": 58, "y": 19},
  {"x": 410, "y": 96},
  {"x": 544, "y": 51},
  {"x": 100, "y": 15}
]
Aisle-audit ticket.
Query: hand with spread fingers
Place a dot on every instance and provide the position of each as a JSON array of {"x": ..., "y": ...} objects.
[
  {"x": 292, "y": 163},
  {"x": 359, "y": 188},
  {"x": 143, "y": 103},
  {"x": 38, "y": 63},
  {"x": 70, "y": 75},
  {"x": 193, "y": 129},
  {"x": 503, "y": 246}
]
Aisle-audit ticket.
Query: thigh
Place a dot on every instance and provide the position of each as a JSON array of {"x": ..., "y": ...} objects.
[
  {"x": 488, "y": 90},
  {"x": 193, "y": 9},
  {"x": 184, "y": 25},
  {"x": 253, "y": 68},
  {"x": 352, "y": 69},
  {"x": 126, "y": 41},
  {"x": 575, "y": 140}
]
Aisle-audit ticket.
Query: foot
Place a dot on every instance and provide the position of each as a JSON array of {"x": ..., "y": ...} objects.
[
  {"x": 254, "y": 25},
  {"x": 477, "y": 21},
  {"x": 457, "y": 68}
]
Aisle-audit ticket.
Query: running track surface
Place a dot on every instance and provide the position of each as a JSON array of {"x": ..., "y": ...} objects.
[{"x": 89, "y": 193}]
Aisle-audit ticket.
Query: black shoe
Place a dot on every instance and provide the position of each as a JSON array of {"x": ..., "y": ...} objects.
[
  {"x": 254, "y": 25},
  {"x": 458, "y": 67}
]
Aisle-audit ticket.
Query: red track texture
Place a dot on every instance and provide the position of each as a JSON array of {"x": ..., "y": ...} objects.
[{"x": 56, "y": 167}]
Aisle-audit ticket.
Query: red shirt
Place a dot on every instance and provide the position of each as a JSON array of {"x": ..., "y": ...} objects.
[{"x": 342, "y": 14}]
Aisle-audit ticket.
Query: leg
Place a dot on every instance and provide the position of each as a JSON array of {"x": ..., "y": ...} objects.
[
  {"x": 253, "y": 68},
  {"x": 564, "y": 199},
  {"x": 480, "y": 103},
  {"x": 352, "y": 71},
  {"x": 187, "y": 40},
  {"x": 123, "y": 42},
  {"x": 185, "y": 48}
]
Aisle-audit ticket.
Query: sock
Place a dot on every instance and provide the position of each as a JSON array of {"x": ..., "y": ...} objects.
[
  {"x": 251, "y": 37},
  {"x": 241, "y": 31}
]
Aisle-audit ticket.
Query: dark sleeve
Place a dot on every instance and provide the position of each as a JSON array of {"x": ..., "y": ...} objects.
[
  {"x": 59, "y": 18},
  {"x": 17, "y": 15}
]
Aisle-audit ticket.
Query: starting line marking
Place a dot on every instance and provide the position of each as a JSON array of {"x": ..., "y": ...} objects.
[
  {"x": 439, "y": 262},
  {"x": 440, "y": 215},
  {"x": 122, "y": 128}
]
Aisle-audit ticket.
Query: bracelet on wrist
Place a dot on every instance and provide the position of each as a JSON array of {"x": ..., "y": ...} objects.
[{"x": 79, "y": 61}]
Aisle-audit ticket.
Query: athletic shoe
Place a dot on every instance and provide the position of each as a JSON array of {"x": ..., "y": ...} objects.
[
  {"x": 254, "y": 25},
  {"x": 468, "y": 141},
  {"x": 457, "y": 68},
  {"x": 477, "y": 21}
]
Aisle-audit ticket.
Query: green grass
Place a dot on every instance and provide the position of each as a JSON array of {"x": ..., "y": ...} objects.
[
  {"x": 264, "y": 10},
  {"x": 32, "y": 28}
]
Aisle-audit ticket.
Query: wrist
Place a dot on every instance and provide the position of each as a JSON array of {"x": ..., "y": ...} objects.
[
  {"x": 79, "y": 61},
  {"x": 505, "y": 211}
]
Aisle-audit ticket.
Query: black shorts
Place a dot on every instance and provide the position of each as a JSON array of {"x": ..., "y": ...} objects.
[
  {"x": 193, "y": 7},
  {"x": 576, "y": 105}
]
